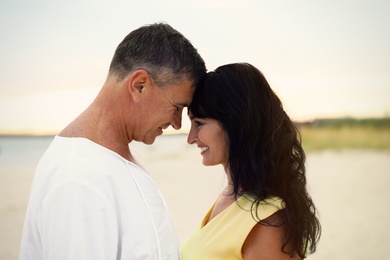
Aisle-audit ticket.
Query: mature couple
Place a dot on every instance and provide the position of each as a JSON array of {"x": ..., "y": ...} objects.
[{"x": 90, "y": 199}]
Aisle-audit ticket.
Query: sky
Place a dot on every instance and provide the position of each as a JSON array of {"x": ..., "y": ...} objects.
[{"x": 323, "y": 58}]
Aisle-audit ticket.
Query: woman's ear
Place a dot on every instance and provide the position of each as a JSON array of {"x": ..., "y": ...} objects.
[{"x": 138, "y": 84}]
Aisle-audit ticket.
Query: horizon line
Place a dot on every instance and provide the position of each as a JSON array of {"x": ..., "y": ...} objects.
[{"x": 183, "y": 131}]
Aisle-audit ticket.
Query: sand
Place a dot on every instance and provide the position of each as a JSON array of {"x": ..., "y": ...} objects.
[{"x": 350, "y": 189}]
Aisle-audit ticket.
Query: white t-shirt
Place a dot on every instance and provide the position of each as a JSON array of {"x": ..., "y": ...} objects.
[{"x": 87, "y": 202}]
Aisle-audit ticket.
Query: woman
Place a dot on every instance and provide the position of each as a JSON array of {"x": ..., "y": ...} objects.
[{"x": 265, "y": 211}]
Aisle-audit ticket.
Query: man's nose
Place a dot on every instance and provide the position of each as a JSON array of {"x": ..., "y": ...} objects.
[
  {"x": 191, "y": 139},
  {"x": 176, "y": 121}
]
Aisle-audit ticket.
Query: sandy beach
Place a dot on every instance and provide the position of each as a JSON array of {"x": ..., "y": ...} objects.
[{"x": 349, "y": 187}]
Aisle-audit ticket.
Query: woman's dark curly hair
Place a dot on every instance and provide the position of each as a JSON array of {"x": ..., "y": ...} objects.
[{"x": 265, "y": 153}]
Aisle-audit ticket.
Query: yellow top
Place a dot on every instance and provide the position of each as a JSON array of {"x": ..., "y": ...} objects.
[{"x": 224, "y": 235}]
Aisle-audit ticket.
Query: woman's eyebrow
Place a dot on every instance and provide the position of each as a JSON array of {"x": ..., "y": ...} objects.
[{"x": 182, "y": 104}]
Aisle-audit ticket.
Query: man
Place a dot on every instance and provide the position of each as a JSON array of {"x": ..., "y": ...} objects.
[{"x": 89, "y": 198}]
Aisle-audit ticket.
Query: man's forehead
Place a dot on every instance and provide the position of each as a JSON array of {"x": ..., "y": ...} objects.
[{"x": 184, "y": 92}]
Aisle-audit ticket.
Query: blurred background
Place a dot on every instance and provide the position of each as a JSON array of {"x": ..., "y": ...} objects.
[
  {"x": 324, "y": 59},
  {"x": 328, "y": 61}
]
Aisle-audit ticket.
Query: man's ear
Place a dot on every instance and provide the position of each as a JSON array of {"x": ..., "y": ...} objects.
[{"x": 138, "y": 84}]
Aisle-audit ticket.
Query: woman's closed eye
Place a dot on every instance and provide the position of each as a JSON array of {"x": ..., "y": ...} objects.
[{"x": 198, "y": 123}]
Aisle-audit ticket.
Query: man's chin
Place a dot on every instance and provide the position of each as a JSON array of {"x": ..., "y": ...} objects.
[{"x": 150, "y": 139}]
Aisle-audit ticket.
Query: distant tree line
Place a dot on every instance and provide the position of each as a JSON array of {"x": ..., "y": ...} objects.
[{"x": 347, "y": 122}]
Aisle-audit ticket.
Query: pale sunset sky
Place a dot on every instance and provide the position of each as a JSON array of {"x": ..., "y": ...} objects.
[{"x": 323, "y": 58}]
